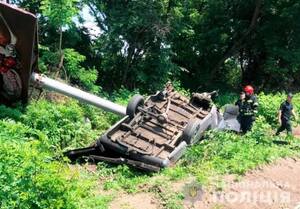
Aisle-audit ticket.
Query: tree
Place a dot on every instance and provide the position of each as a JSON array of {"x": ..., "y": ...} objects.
[
  {"x": 133, "y": 45},
  {"x": 59, "y": 13},
  {"x": 260, "y": 37},
  {"x": 218, "y": 43}
]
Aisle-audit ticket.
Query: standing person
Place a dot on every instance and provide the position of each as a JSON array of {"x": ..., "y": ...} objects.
[
  {"x": 240, "y": 103},
  {"x": 284, "y": 115},
  {"x": 248, "y": 109},
  {"x": 241, "y": 100}
]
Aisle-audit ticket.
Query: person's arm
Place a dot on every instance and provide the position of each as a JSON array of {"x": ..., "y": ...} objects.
[
  {"x": 280, "y": 113},
  {"x": 255, "y": 105},
  {"x": 295, "y": 115},
  {"x": 279, "y": 116}
]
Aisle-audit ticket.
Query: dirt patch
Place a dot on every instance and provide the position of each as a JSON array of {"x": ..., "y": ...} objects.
[
  {"x": 55, "y": 97},
  {"x": 135, "y": 201},
  {"x": 296, "y": 131},
  {"x": 275, "y": 186}
]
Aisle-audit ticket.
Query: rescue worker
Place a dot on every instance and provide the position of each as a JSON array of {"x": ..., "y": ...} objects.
[
  {"x": 284, "y": 115},
  {"x": 240, "y": 103},
  {"x": 241, "y": 100},
  {"x": 248, "y": 109}
]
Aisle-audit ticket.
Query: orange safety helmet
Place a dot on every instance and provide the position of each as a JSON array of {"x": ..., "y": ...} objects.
[{"x": 249, "y": 89}]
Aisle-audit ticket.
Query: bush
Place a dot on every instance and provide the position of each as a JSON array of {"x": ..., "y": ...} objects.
[
  {"x": 85, "y": 77},
  {"x": 72, "y": 69},
  {"x": 29, "y": 178},
  {"x": 64, "y": 124},
  {"x": 10, "y": 113},
  {"x": 269, "y": 105}
]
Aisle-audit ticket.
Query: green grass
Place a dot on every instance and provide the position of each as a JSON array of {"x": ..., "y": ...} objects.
[
  {"x": 32, "y": 137},
  {"x": 227, "y": 153},
  {"x": 30, "y": 178}
]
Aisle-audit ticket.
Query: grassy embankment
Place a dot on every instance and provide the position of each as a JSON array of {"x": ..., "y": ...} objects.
[{"x": 34, "y": 175}]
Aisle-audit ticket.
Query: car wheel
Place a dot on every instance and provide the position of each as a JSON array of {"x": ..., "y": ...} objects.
[
  {"x": 231, "y": 109},
  {"x": 190, "y": 134},
  {"x": 132, "y": 107}
]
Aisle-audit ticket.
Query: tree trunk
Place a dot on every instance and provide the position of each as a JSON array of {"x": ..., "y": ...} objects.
[
  {"x": 126, "y": 69},
  {"x": 60, "y": 40},
  {"x": 61, "y": 55}
]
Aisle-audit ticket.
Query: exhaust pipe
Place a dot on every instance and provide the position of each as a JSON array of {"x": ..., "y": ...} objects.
[{"x": 53, "y": 85}]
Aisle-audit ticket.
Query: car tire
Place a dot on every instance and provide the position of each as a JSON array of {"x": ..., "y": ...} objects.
[
  {"x": 231, "y": 109},
  {"x": 132, "y": 107},
  {"x": 190, "y": 133}
]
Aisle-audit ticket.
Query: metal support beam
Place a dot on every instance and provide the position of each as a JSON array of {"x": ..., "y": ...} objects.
[{"x": 53, "y": 85}]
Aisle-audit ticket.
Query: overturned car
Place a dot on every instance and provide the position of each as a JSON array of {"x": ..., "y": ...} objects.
[{"x": 153, "y": 133}]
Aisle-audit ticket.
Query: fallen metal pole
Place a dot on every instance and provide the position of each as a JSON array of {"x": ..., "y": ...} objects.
[{"x": 53, "y": 85}]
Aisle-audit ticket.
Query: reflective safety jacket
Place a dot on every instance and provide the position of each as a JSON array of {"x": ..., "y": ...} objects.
[{"x": 249, "y": 107}]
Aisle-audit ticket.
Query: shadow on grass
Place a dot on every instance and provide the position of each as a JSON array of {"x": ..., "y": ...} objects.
[{"x": 280, "y": 142}]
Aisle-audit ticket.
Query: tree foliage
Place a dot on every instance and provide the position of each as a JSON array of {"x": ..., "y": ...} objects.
[
  {"x": 201, "y": 43},
  {"x": 134, "y": 45},
  {"x": 59, "y": 12},
  {"x": 198, "y": 44}
]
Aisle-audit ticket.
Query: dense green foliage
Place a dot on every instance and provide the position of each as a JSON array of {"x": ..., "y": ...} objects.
[
  {"x": 270, "y": 104},
  {"x": 31, "y": 178},
  {"x": 198, "y": 44},
  {"x": 33, "y": 175},
  {"x": 63, "y": 125},
  {"x": 204, "y": 44}
]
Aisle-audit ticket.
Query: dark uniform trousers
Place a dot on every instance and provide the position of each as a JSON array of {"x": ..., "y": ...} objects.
[
  {"x": 246, "y": 123},
  {"x": 248, "y": 110},
  {"x": 286, "y": 111},
  {"x": 285, "y": 125}
]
